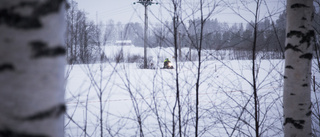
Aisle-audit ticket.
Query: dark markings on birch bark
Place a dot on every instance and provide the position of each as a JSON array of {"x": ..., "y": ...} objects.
[
  {"x": 309, "y": 113},
  {"x": 300, "y": 104},
  {"x": 302, "y": 27},
  {"x": 67, "y": 5},
  {"x": 6, "y": 67},
  {"x": 306, "y": 56},
  {"x": 10, "y": 133},
  {"x": 7, "y": 40},
  {"x": 48, "y": 7},
  {"x": 289, "y": 67},
  {"x": 296, "y": 123},
  {"x": 26, "y": 4},
  {"x": 305, "y": 85},
  {"x": 304, "y": 37},
  {"x": 285, "y": 77},
  {"x": 294, "y": 48},
  {"x": 298, "y": 34},
  {"x": 41, "y": 49},
  {"x": 10, "y": 17},
  {"x": 292, "y": 94},
  {"x": 303, "y": 18},
  {"x": 53, "y": 112},
  {"x": 299, "y": 5},
  {"x": 308, "y": 37}
]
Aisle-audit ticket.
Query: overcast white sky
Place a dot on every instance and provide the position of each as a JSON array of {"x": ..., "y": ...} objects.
[{"x": 125, "y": 11}]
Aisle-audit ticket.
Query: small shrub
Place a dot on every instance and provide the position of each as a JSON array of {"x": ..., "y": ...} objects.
[
  {"x": 119, "y": 56},
  {"x": 133, "y": 58}
]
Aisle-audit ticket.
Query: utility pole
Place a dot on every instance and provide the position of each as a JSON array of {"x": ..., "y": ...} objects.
[{"x": 145, "y": 3}]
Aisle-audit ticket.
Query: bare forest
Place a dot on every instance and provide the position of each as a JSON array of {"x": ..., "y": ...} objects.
[{"x": 227, "y": 78}]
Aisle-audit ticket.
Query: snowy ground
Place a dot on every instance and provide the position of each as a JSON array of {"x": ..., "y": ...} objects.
[{"x": 126, "y": 95}]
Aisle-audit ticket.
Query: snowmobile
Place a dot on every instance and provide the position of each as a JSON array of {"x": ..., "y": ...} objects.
[{"x": 168, "y": 65}]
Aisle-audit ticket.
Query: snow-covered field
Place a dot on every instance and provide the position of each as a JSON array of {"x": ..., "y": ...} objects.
[{"x": 134, "y": 101}]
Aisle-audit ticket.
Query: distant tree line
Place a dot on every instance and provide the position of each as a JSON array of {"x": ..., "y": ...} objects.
[
  {"x": 220, "y": 36},
  {"x": 84, "y": 37}
]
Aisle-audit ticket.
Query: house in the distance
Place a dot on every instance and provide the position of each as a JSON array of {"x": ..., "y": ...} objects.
[{"x": 123, "y": 43}]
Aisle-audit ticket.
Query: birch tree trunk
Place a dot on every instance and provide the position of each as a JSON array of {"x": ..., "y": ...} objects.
[
  {"x": 32, "y": 68},
  {"x": 298, "y": 56}
]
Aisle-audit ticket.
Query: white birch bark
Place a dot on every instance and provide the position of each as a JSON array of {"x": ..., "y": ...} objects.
[
  {"x": 32, "y": 68},
  {"x": 297, "y": 77}
]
